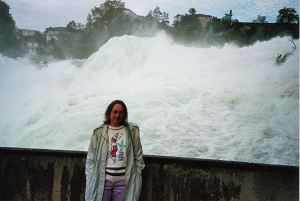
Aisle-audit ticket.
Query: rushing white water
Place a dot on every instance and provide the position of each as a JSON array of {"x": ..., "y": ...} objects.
[{"x": 226, "y": 103}]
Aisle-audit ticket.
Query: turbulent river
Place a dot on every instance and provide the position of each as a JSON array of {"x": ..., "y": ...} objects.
[{"x": 227, "y": 103}]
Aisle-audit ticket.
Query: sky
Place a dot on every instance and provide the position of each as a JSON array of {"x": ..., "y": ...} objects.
[{"x": 41, "y": 14}]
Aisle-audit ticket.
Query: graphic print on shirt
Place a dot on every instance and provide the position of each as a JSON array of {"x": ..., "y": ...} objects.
[
  {"x": 121, "y": 152},
  {"x": 117, "y": 148}
]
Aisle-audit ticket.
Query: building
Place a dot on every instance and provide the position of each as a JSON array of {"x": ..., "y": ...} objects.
[
  {"x": 204, "y": 19},
  {"x": 28, "y": 36},
  {"x": 52, "y": 33},
  {"x": 27, "y": 32}
]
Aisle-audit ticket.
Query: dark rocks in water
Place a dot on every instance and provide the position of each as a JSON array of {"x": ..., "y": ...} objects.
[{"x": 281, "y": 58}]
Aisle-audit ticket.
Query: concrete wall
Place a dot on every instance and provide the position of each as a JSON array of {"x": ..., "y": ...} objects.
[{"x": 59, "y": 175}]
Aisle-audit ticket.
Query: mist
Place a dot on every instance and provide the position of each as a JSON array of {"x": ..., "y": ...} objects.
[{"x": 228, "y": 103}]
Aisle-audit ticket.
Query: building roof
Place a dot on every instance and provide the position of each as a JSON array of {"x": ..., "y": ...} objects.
[
  {"x": 56, "y": 29},
  {"x": 202, "y": 15}
]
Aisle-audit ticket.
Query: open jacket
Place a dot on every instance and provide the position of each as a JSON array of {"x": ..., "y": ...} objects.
[{"x": 96, "y": 164}]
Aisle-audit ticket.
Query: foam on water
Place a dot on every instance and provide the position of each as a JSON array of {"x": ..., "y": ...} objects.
[{"x": 225, "y": 103}]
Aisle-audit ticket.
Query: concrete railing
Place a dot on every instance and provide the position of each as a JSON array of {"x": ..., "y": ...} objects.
[{"x": 38, "y": 175}]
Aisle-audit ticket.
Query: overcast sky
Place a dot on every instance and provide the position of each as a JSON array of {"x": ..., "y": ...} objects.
[{"x": 40, "y": 14}]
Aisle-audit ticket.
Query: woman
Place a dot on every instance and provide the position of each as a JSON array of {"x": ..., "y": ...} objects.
[{"x": 114, "y": 161}]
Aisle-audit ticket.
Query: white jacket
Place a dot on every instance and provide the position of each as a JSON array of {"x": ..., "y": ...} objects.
[{"x": 96, "y": 164}]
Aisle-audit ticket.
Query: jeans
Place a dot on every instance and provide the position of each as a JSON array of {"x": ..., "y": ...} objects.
[{"x": 114, "y": 191}]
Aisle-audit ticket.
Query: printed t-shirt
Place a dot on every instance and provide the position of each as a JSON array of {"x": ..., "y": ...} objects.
[{"x": 116, "y": 155}]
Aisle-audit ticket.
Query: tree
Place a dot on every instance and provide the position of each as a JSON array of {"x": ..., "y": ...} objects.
[
  {"x": 39, "y": 38},
  {"x": 187, "y": 28},
  {"x": 165, "y": 18},
  {"x": 287, "y": 16},
  {"x": 176, "y": 20},
  {"x": 114, "y": 4},
  {"x": 8, "y": 33},
  {"x": 157, "y": 14},
  {"x": 229, "y": 22},
  {"x": 227, "y": 19},
  {"x": 72, "y": 26},
  {"x": 192, "y": 11},
  {"x": 102, "y": 15},
  {"x": 261, "y": 19},
  {"x": 161, "y": 17},
  {"x": 107, "y": 20}
]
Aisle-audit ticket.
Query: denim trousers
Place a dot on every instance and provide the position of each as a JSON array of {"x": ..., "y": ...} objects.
[{"x": 114, "y": 191}]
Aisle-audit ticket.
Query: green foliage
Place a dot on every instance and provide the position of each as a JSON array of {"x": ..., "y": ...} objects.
[
  {"x": 190, "y": 28},
  {"x": 192, "y": 11},
  {"x": 161, "y": 17},
  {"x": 105, "y": 21},
  {"x": 187, "y": 28},
  {"x": 8, "y": 34},
  {"x": 39, "y": 38},
  {"x": 287, "y": 16},
  {"x": 261, "y": 19},
  {"x": 111, "y": 19},
  {"x": 228, "y": 21},
  {"x": 74, "y": 27}
]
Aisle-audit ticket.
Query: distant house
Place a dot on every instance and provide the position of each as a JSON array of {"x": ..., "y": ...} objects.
[
  {"x": 27, "y": 32},
  {"x": 204, "y": 19},
  {"x": 52, "y": 33},
  {"x": 28, "y": 37}
]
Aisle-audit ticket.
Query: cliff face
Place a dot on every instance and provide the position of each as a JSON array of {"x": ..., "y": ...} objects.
[{"x": 59, "y": 175}]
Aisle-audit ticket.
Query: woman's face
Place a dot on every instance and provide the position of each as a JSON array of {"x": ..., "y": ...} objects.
[{"x": 116, "y": 115}]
